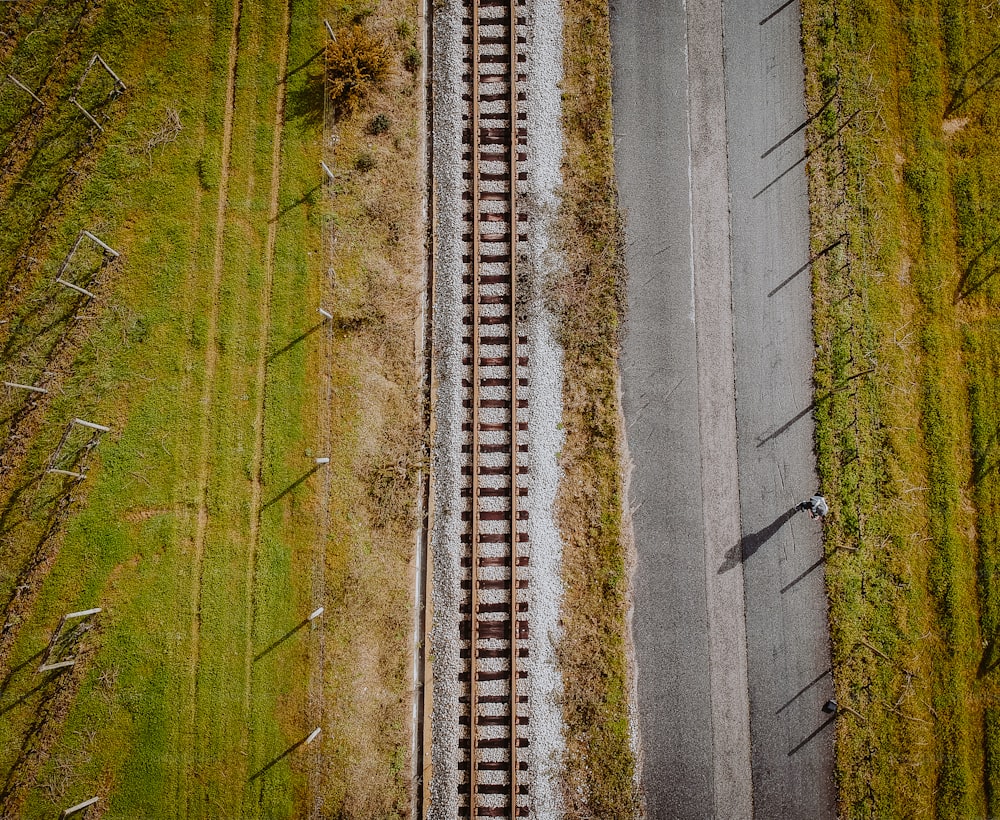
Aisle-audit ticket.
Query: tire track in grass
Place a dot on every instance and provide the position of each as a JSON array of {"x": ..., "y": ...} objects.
[
  {"x": 23, "y": 145},
  {"x": 10, "y": 26},
  {"x": 186, "y": 796},
  {"x": 257, "y": 485}
]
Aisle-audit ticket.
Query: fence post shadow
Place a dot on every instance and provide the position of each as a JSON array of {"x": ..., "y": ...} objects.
[
  {"x": 816, "y": 257},
  {"x": 304, "y": 477},
  {"x": 305, "y": 334},
  {"x": 812, "y": 734},
  {"x": 804, "y": 689},
  {"x": 304, "y": 622},
  {"x": 274, "y": 762},
  {"x": 816, "y": 402}
]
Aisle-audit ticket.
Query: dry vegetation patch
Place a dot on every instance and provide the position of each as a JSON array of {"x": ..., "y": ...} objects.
[
  {"x": 373, "y": 136},
  {"x": 357, "y": 63},
  {"x": 600, "y": 768}
]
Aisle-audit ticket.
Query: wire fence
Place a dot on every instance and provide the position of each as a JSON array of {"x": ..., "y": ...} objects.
[{"x": 317, "y": 684}]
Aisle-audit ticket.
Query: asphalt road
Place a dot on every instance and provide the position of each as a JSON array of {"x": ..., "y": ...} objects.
[{"x": 729, "y": 617}]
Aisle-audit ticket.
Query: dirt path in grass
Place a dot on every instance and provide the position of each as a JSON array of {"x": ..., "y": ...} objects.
[
  {"x": 211, "y": 362},
  {"x": 21, "y": 149},
  {"x": 317, "y": 663},
  {"x": 264, "y": 328},
  {"x": 24, "y": 427}
]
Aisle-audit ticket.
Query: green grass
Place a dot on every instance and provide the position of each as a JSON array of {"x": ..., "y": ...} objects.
[
  {"x": 904, "y": 452},
  {"x": 117, "y": 725},
  {"x": 600, "y": 766}
]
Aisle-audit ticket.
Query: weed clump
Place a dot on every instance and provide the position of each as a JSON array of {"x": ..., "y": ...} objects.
[
  {"x": 357, "y": 62},
  {"x": 365, "y": 162},
  {"x": 379, "y": 124},
  {"x": 412, "y": 59}
]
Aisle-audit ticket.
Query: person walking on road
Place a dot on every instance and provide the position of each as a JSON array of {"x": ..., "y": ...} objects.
[{"x": 816, "y": 506}]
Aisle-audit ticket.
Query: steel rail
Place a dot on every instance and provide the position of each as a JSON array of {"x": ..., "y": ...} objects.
[
  {"x": 513, "y": 406},
  {"x": 477, "y": 260},
  {"x": 474, "y": 569}
]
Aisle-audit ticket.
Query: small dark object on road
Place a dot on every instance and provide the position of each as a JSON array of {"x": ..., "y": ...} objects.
[
  {"x": 830, "y": 707},
  {"x": 816, "y": 506}
]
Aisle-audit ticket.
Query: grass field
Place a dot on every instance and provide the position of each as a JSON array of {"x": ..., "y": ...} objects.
[
  {"x": 203, "y": 528},
  {"x": 903, "y": 179}
]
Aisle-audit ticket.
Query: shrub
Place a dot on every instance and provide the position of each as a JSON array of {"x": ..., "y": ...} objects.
[
  {"x": 357, "y": 62},
  {"x": 365, "y": 162},
  {"x": 379, "y": 124},
  {"x": 412, "y": 59}
]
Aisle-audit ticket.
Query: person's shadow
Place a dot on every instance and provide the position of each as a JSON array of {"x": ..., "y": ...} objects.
[{"x": 750, "y": 543}]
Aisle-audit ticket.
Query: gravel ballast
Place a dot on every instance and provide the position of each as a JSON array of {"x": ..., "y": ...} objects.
[
  {"x": 447, "y": 504},
  {"x": 538, "y": 261}
]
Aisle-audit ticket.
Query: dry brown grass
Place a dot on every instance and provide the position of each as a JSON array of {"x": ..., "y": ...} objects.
[
  {"x": 600, "y": 766},
  {"x": 378, "y": 262},
  {"x": 378, "y": 268}
]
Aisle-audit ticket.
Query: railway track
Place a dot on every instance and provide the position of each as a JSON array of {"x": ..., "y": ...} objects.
[{"x": 494, "y": 626}]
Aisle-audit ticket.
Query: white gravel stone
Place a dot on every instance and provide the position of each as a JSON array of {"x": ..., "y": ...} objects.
[
  {"x": 545, "y": 153},
  {"x": 544, "y": 413},
  {"x": 448, "y": 352}
]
